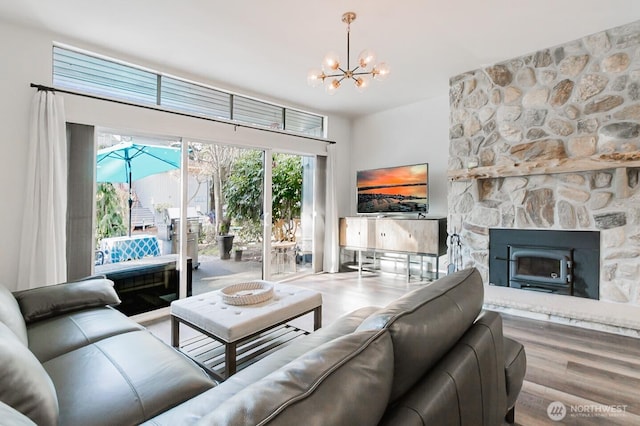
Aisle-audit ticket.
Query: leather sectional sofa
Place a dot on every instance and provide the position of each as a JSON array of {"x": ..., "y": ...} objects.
[{"x": 432, "y": 356}]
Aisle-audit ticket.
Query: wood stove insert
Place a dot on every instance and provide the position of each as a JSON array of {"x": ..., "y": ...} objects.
[
  {"x": 559, "y": 262},
  {"x": 541, "y": 269}
]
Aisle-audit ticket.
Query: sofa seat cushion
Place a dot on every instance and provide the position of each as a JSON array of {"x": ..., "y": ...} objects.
[
  {"x": 426, "y": 322},
  {"x": 24, "y": 384},
  {"x": 11, "y": 316},
  {"x": 123, "y": 379},
  {"x": 55, "y": 336},
  {"x": 323, "y": 387},
  {"x": 195, "y": 408}
]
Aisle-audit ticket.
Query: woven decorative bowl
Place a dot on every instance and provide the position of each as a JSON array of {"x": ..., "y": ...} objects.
[{"x": 248, "y": 293}]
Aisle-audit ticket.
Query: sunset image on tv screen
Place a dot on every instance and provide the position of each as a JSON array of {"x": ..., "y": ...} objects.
[{"x": 393, "y": 189}]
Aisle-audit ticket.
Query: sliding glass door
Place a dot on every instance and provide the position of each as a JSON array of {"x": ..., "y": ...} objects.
[
  {"x": 232, "y": 234},
  {"x": 292, "y": 215},
  {"x": 261, "y": 214},
  {"x": 137, "y": 211},
  {"x": 224, "y": 214}
]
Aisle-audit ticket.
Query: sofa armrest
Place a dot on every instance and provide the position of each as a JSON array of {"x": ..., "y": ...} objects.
[
  {"x": 515, "y": 367},
  {"x": 49, "y": 301}
]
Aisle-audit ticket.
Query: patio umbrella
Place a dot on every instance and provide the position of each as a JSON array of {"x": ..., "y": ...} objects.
[{"x": 127, "y": 161}]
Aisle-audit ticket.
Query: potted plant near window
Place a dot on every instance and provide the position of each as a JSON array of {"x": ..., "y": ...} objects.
[{"x": 225, "y": 240}]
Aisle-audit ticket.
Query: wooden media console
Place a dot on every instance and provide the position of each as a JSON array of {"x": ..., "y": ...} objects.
[{"x": 407, "y": 237}]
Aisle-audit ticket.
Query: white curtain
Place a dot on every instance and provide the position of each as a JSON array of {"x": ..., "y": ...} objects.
[
  {"x": 43, "y": 259},
  {"x": 331, "y": 247}
]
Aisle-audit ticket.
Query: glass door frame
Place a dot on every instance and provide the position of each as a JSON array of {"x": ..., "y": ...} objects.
[{"x": 267, "y": 228}]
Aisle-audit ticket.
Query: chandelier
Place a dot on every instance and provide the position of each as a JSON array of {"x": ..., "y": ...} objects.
[{"x": 333, "y": 73}]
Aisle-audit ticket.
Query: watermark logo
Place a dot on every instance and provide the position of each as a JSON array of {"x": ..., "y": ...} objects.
[{"x": 556, "y": 411}]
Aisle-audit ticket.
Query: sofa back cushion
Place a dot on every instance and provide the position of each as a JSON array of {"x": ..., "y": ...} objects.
[
  {"x": 425, "y": 323},
  {"x": 467, "y": 386},
  {"x": 346, "y": 380},
  {"x": 49, "y": 301},
  {"x": 24, "y": 384},
  {"x": 11, "y": 316}
]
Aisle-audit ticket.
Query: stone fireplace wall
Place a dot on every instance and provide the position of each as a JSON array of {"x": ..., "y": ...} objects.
[{"x": 551, "y": 140}]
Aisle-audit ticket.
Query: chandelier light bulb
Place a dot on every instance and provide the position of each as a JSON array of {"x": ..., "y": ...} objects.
[
  {"x": 315, "y": 78},
  {"x": 361, "y": 84},
  {"x": 333, "y": 72},
  {"x": 333, "y": 86},
  {"x": 331, "y": 62},
  {"x": 380, "y": 71},
  {"x": 366, "y": 58}
]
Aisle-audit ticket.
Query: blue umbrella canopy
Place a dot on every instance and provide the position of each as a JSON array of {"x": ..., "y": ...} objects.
[{"x": 127, "y": 161}]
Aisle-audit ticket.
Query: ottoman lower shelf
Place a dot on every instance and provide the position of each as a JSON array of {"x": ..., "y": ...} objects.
[{"x": 210, "y": 354}]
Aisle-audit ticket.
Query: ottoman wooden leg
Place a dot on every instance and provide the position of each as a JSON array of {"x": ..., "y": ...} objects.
[
  {"x": 175, "y": 332},
  {"x": 317, "y": 318},
  {"x": 230, "y": 359}
]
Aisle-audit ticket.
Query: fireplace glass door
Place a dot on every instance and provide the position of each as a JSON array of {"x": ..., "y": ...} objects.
[
  {"x": 535, "y": 266},
  {"x": 542, "y": 268}
]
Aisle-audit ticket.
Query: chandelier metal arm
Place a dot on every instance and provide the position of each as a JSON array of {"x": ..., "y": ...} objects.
[{"x": 362, "y": 73}]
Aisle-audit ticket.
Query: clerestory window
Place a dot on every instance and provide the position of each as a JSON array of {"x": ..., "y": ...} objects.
[{"x": 91, "y": 74}]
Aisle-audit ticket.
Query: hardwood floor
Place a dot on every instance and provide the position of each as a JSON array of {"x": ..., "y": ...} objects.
[
  {"x": 595, "y": 374},
  {"x": 584, "y": 369}
]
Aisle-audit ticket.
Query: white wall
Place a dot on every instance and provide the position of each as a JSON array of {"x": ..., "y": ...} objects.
[
  {"x": 409, "y": 134},
  {"x": 24, "y": 60},
  {"x": 26, "y": 57}
]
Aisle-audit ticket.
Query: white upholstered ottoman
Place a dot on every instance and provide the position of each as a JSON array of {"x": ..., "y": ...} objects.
[{"x": 231, "y": 324}]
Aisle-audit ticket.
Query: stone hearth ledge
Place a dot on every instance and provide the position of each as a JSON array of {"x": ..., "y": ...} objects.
[{"x": 600, "y": 315}]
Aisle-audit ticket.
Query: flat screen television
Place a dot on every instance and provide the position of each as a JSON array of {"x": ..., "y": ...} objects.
[{"x": 393, "y": 190}]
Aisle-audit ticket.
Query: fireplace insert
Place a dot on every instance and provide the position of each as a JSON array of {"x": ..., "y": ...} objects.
[
  {"x": 541, "y": 268},
  {"x": 546, "y": 260}
]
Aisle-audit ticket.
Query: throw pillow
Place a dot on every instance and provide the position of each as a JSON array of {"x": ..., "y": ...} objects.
[
  {"x": 11, "y": 316},
  {"x": 24, "y": 384}
]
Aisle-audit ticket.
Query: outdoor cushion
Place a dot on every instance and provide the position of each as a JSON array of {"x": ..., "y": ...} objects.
[
  {"x": 48, "y": 301},
  {"x": 24, "y": 384},
  {"x": 11, "y": 316}
]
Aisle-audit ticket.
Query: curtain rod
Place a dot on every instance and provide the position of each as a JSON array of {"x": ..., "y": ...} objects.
[{"x": 184, "y": 114}]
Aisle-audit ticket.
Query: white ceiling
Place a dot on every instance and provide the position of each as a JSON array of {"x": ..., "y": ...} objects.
[{"x": 266, "y": 47}]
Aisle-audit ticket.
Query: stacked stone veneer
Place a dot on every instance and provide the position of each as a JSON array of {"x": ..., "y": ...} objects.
[{"x": 572, "y": 101}]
